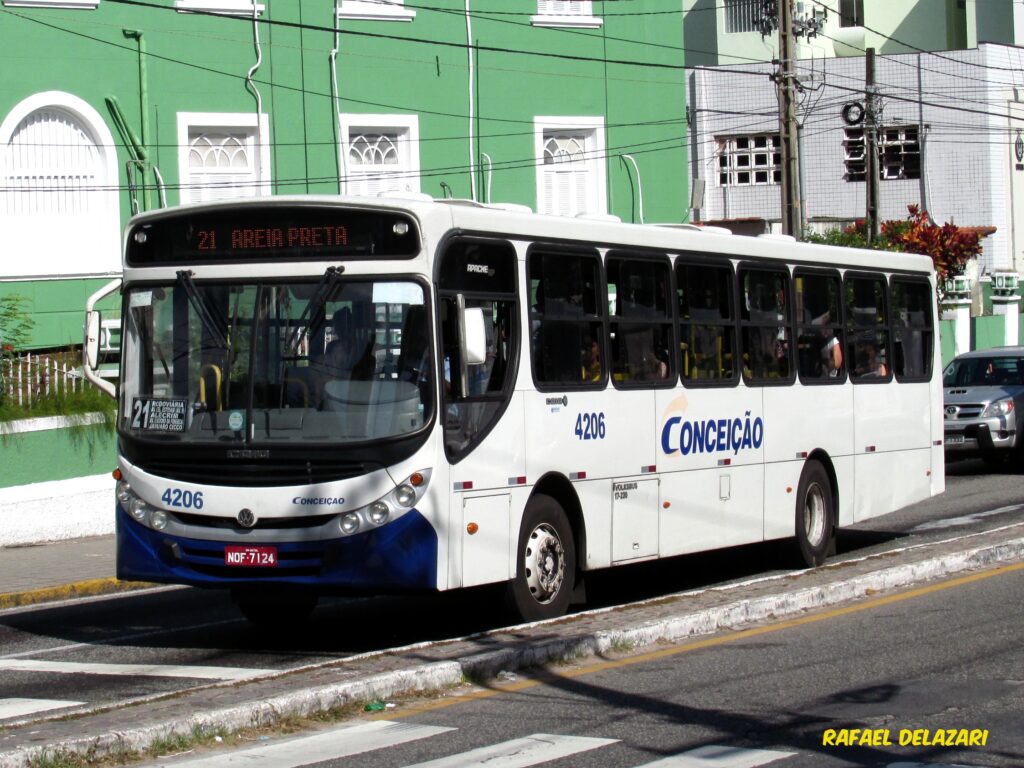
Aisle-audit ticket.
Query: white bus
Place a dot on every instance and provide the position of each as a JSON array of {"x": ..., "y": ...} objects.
[{"x": 326, "y": 395}]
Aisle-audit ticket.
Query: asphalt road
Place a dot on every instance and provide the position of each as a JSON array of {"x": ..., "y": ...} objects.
[
  {"x": 130, "y": 647},
  {"x": 942, "y": 659}
]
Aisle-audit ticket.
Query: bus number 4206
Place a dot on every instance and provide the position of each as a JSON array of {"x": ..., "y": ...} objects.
[
  {"x": 590, "y": 426},
  {"x": 176, "y": 497}
]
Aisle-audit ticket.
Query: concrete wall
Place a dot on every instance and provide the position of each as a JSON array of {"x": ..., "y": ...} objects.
[{"x": 55, "y": 479}]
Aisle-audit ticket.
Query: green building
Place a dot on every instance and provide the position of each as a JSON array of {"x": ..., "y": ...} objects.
[{"x": 112, "y": 106}]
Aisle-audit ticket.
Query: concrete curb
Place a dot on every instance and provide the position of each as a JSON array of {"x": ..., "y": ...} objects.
[
  {"x": 438, "y": 675},
  {"x": 79, "y": 589}
]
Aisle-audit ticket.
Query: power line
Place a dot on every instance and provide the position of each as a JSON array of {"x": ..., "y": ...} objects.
[
  {"x": 420, "y": 40},
  {"x": 922, "y": 50}
]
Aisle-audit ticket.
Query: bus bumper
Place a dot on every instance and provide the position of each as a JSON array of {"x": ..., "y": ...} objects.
[{"x": 398, "y": 557}]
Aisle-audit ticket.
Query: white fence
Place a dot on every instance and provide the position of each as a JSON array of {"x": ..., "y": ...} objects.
[{"x": 28, "y": 378}]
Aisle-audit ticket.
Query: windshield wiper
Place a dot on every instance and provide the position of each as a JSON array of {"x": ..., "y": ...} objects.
[
  {"x": 323, "y": 291},
  {"x": 218, "y": 331}
]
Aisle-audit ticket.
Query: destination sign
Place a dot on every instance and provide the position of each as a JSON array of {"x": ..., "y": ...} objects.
[{"x": 272, "y": 233}]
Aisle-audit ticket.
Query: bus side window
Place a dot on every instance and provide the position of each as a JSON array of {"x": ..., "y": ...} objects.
[
  {"x": 765, "y": 325},
  {"x": 707, "y": 323},
  {"x": 483, "y": 273},
  {"x": 567, "y": 320},
  {"x": 913, "y": 337},
  {"x": 641, "y": 323},
  {"x": 867, "y": 328},
  {"x": 820, "y": 357}
]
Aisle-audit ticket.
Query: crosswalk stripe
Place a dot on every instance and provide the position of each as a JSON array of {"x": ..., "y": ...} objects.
[
  {"x": 928, "y": 765},
  {"x": 307, "y": 750},
  {"x": 21, "y": 707},
  {"x": 715, "y": 756},
  {"x": 520, "y": 753},
  {"x": 149, "y": 670}
]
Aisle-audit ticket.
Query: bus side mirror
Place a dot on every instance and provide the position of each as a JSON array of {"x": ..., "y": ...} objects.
[
  {"x": 475, "y": 338},
  {"x": 91, "y": 343},
  {"x": 472, "y": 340}
]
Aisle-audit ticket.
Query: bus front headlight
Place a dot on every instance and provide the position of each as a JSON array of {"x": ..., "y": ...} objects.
[
  {"x": 378, "y": 513},
  {"x": 138, "y": 509},
  {"x": 405, "y": 495},
  {"x": 349, "y": 523},
  {"x": 123, "y": 493},
  {"x": 158, "y": 520}
]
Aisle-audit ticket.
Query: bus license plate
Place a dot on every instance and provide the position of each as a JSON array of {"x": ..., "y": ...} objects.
[
  {"x": 251, "y": 557},
  {"x": 954, "y": 439}
]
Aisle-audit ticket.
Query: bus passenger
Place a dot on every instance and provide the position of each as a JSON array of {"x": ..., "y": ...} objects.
[
  {"x": 832, "y": 353},
  {"x": 868, "y": 364}
]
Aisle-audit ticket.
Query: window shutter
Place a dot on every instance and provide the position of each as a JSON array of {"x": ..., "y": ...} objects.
[
  {"x": 564, "y": 7},
  {"x": 221, "y": 166},
  {"x": 52, "y": 166},
  {"x": 567, "y": 173},
  {"x": 377, "y": 161}
]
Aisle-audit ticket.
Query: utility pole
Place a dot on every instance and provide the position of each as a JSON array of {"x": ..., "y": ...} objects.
[
  {"x": 871, "y": 144},
  {"x": 786, "y": 82}
]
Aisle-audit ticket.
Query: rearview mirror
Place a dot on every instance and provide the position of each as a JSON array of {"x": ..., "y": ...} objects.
[{"x": 91, "y": 342}]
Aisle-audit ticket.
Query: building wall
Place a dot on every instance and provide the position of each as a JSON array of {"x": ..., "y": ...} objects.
[
  {"x": 960, "y": 102},
  {"x": 888, "y": 27},
  {"x": 622, "y": 73}
]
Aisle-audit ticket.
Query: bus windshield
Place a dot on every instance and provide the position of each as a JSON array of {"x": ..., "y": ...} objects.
[{"x": 276, "y": 362}]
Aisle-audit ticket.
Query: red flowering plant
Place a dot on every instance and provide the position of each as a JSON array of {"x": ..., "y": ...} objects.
[{"x": 950, "y": 247}]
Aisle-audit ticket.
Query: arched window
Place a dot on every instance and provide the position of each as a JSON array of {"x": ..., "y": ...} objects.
[{"x": 58, "y": 188}]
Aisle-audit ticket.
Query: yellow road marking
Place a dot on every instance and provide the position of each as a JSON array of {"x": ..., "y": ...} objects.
[
  {"x": 544, "y": 676},
  {"x": 87, "y": 588}
]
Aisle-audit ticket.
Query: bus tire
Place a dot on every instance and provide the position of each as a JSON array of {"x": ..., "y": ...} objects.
[
  {"x": 274, "y": 611},
  {"x": 815, "y": 516},
  {"x": 545, "y": 562}
]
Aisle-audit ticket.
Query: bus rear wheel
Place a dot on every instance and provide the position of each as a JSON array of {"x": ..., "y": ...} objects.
[
  {"x": 545, "y": 562},
  {"x": 815, "y": 516}
]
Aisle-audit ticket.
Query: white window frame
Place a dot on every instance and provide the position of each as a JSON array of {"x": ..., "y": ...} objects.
[
  {"x": 94, "y": 253},
  {"x": 375, "y": 10},
  {"x": 740, "y": 15},
  {"x": 594, "y": 154},
  {"x": 896, "y": 136},
  {"x": 855, "y": 152},
  {"x": 725, "y": 146},
  {"x": 87, "y": 5},
  {"x": 566, "y": 13},
  {"x": 188, "y": 121},
  {"x": 408, "y": 129},
  {"x": 221, "y": 7}
]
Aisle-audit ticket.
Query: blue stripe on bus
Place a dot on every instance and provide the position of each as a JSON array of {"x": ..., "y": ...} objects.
[{"x": 399, "y": 556}]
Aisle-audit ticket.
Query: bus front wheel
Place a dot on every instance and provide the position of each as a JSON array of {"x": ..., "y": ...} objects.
[
  {"x": 815, "y": 528},
  {"x": 545, "y": 563}
]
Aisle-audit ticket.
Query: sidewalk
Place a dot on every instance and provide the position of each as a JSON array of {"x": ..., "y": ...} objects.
[
  {"x": 434, "y": 666},
  {"x": 57, "y": 570}
]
